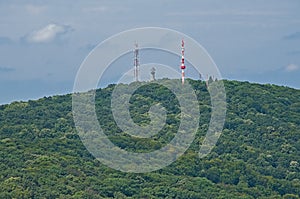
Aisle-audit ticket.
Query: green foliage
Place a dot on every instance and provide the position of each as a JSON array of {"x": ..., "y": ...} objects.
[{"x": 257, "y": 155}]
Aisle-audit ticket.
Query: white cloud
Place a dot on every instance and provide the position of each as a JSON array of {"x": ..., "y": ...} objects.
[
  {"x": 292, "y": 67},
  {"x": 48, "y": 33}
]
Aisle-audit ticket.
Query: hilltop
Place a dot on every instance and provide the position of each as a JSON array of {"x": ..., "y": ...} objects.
[{"x": 257, "y": 155}]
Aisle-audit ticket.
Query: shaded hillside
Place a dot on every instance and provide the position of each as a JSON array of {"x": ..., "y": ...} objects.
[{"x": 257, "y": 155}]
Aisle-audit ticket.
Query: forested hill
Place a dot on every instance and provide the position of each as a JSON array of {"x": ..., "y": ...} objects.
[{"x": 257, "y": 155}]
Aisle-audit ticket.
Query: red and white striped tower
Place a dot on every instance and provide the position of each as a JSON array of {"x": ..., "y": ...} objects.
[{"x": 182, "y": 61}]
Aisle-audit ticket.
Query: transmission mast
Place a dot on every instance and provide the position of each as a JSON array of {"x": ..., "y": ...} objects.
[
  {"x": 182, "y": 61},
  {"x": 152, "y": 74},
  {"x": 136, "y": 62}
]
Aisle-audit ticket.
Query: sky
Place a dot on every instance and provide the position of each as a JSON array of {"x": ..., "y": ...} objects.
[{"x": 43, "y": 43}]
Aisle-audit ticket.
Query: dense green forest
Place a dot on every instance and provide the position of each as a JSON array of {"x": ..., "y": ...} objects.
[{"x": 257, "y": 155}]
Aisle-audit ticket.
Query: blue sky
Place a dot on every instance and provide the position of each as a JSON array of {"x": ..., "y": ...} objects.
[{"x": 43, "y": 43}]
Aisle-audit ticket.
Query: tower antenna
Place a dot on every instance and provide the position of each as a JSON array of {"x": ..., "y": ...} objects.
[
  {"x": 136, "y": 62},
  {"x": 182, "y": 62},
  {"x": 153, "y": 74}
]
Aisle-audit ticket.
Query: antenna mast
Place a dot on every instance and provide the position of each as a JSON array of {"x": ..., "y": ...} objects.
[
  {"x": 153, "y": 74},
  {"x": 136, "y": 62},
  {"x": 182, "y": 62}
]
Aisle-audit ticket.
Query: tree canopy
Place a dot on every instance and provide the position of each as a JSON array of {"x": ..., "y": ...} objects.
[{"x": 257, "y": 155}]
